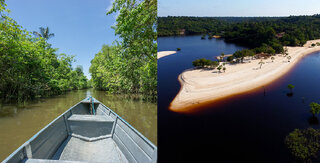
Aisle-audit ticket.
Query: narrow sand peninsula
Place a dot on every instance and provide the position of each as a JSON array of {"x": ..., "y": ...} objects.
[
  {"x": 165, "y": 53},
  {"x": 198, "y": 85}
]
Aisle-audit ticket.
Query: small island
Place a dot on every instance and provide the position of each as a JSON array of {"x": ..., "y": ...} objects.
[{"x": 203, "y": 85}]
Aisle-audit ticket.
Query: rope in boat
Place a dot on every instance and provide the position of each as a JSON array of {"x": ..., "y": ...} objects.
[
  {"x": 94, "y": 112},
  {"x": 92, "y": 105}
]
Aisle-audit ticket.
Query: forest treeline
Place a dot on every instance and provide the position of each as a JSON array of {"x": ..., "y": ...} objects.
[
  {"x": 30, "y": 67},
  {"x": 130, "y": 65},
  {"x": 172, "y": 25},
  {"x": 253, "y": 32}
]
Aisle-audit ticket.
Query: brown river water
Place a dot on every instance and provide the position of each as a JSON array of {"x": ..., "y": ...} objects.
[{"x": 19, "y": 123}]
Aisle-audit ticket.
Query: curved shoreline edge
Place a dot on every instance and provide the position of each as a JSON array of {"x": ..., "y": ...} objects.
[
  {"x": 200, "y": 86},
  {"x": 165, "y": 53}
]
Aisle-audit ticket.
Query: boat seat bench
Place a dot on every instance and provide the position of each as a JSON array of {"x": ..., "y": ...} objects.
[
  {"x": 90, "y": 127},
  {"x": 90, "y": 118}
]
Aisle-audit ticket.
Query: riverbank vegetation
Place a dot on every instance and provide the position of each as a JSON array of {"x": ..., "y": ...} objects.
[
  {"x": 184, "y": 25},
  {"x": 263, "y": 34},
  {"x": 30, "y": 67},
  {"x": 205, "y": 63},
  {"x": 304, "y": 144},
  {"x": 129, "y": 66}
]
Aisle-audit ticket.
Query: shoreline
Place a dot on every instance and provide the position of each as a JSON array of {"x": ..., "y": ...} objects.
[
  {"x": 199, "y": 86},
  {"x": 165, "y": 53}
]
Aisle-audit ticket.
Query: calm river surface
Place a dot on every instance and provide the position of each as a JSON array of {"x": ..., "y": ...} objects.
[
  {"x": 20, "y": 123},
  {"x": 247, "y": 127}
]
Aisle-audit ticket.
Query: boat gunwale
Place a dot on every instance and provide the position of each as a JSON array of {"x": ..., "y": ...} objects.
[
  {"x": 38, "y": 133},
  {"x": 20, "y": 148},
  {"x": 135, "y": 130}
]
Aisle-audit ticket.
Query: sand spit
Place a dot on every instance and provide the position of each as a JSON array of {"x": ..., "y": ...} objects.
[
  {"x": 199, "y": 86},
  {"x": 165, "y": 53}
]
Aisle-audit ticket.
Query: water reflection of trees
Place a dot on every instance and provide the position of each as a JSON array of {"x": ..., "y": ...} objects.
[{"x": 140, "y": 114}]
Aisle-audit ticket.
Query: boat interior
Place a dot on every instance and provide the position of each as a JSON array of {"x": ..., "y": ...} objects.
[{"x": 83, "y": 134}]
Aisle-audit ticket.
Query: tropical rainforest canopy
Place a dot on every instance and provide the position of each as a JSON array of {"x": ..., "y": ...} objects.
[
  {"x": 129, "y": 66},
  {"x": 30, "y": 67},
  {"x": 249, "y": 31},
  {"x": 261, "y": 34}
]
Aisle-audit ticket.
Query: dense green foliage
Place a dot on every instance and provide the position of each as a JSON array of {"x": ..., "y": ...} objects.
[
  {"x": 240, "y": 54},
  {"x": 30, "y": 67},
  {"x": 304, "y": 145},
  {"x": 170, "y": 26},
  {"x": 267, "y": 35},
  {"x": 131, "y": 65},
  {"x": 314, "y": 108},
  {"x": 293, "y": 31},
  {"x": 173, "y": 25},
  {"x": 202, "y": 63},
  {"x": 105, "y": 70},
  {"x": 230, "y": 58}
]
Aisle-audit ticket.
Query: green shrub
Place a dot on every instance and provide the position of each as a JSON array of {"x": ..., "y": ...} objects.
[
  {"x": 30, "y": 67},
  {"x": 230, "y": 58},
  {"x": 303, "y": 144},
  {"x": 314, "y": 108},
  {"x": 201, "y": 63}
]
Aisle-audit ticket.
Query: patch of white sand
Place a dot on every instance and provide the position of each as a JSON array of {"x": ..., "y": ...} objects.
[
  {"x": 165, "y": 53},
  {"x": 198, "y": 85}
]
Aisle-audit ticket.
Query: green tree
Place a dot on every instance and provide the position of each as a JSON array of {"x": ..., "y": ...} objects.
[
  {"x": 272, "y": 58},
  {"x": 219, "y": 68},
  {"x": 290, "y": 86},
  {"x": 261, "y": 63},
  {"x": 222, "y": 57},
  {"x": 285, "y": 52},
  {"x": 255, "y": 32},
  {"x": 203, "y": 37},
  {"x": 230, "y": 58},
  {"x": 44, "y": 33},
  {"x": 214, "y": 64},
  {"x": 30, "y": 68},
  {"x": 202, "y": 63},
  {"x": 314, "y": 108},
  {"x": 79, "y": 70},
  {"x": 105, "y": 70},
  {"x": 303, "y": 144},
  {"x": 136, "y": 46}
]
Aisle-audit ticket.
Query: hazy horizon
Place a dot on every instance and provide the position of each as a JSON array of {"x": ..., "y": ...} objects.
[
  {"x": 237, "y": 16},
  {"x": 235, "y": 8}
]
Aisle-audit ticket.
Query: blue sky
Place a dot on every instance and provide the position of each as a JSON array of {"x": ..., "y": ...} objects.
[
  {"x": 237, "y": 7},
  {"x": 81, "y": 27}
]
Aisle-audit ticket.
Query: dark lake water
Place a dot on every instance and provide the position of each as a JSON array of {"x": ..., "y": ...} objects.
[
  {"x": 247, "y": 127},
  {"x": 19, "y": 123}
]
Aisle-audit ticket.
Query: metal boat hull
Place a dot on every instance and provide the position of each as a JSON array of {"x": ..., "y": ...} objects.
[{"x": 79, "y": 136}]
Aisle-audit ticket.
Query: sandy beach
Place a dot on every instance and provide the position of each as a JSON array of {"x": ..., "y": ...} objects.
[
  {"x": 199, "y": 85},
  {"x": 165, "y": 53}
]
